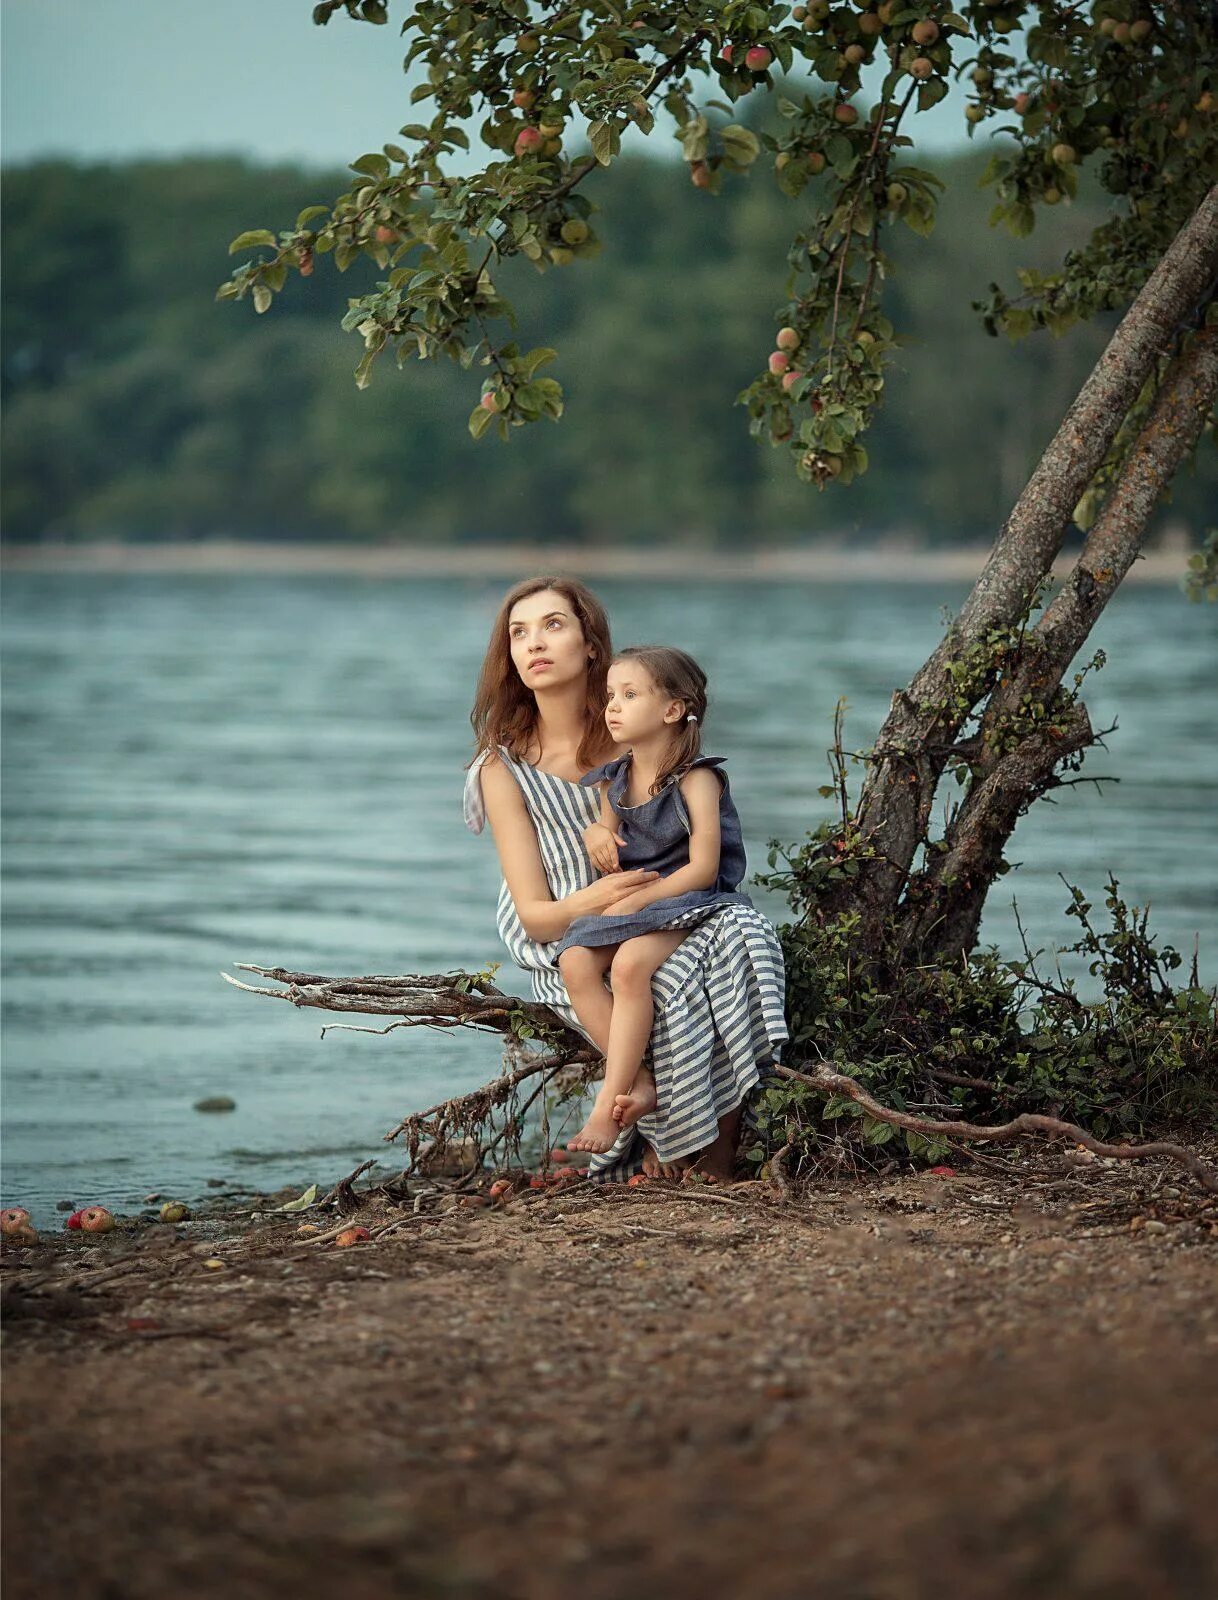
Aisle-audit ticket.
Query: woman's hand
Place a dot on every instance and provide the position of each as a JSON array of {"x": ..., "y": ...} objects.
[
  {"x": 601, "y": 842},
  {"x": 606, "y": 894}
]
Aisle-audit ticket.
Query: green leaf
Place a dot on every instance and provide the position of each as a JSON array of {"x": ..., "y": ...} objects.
[
  {"x": 480, "y": 420},
  {"x": 373, "y": 165},
  {"x": 303, "y": 1202},
  {"x": 255, "y": 236},
  {"x": 931, "y": 92},
  {"x": 740, "y": 144},
  {"x": 606, "y": 141},
  {"x": 309, "y": 213}
]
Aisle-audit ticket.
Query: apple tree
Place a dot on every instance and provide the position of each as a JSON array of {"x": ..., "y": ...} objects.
[{"x": 1122, "y": 90}]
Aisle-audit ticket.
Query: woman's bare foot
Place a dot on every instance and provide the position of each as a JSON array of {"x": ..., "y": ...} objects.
[
  {"x": 651, "y": 1162},
  {"x": 628, "y": 1108},
  {"x": 599, "y": 1133},
  {"x": 653, "y": 1167}
]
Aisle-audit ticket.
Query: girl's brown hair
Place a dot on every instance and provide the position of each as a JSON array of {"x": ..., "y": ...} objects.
[
  {"x": 505, "y": 708},
  {"x": 678, "y": 677}
]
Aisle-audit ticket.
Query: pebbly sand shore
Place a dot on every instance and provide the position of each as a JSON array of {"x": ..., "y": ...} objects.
[
  {"x": 893, "y": 561},
  {"x": 998, "y": 1382}
]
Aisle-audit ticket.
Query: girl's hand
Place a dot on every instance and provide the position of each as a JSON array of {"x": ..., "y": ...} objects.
[
  {"x": 606, "y": 894},
  {"x": 601, "y": 843}
]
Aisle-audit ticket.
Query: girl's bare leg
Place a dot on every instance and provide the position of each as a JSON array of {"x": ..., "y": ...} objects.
[
  {"x": 583, "y": 971},
  {"x": 633, "y": 965}
]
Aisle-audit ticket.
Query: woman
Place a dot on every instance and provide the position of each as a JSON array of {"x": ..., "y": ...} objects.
[{"x": 539, "y": 726}]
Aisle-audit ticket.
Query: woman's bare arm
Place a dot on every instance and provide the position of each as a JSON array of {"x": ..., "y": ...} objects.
[{"x": 541, "y": 916}]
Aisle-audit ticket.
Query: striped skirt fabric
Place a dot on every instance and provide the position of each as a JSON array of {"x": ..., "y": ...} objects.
[{"x": 719, "y": 998}]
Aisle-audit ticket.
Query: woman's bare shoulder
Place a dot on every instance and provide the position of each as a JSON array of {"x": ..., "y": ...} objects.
[{"x": 498, "y": 784}]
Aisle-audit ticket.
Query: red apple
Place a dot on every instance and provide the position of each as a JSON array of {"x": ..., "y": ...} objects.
[
  {"x": 790, "y": 379},
  {"x": 529, "y": 141},
  {"x": 925, "y": 32},
  {"x": 96, "y": 1219},
  {"x": 14, "y": 1219},
  {"x": 787, "y": 339},
  {"x": 779, "y": 361},
  {"x": 350, "y": 1236},
  {"x": 758, "y": 58},
  {"x": 922, "y": 66}
]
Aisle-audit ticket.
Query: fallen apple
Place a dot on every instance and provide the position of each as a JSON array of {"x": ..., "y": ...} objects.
[
  {"x": 174, "y": 1211},
  {"x": 96, "y": 1219},
  {"x": 14, "y": 1219},
  {"x": 350, "y": 1236}
]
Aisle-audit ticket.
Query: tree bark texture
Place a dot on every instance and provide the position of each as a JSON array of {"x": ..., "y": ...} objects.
[
  {"x": 918, "y": 738},
  {"x": 944, "y": 902}
]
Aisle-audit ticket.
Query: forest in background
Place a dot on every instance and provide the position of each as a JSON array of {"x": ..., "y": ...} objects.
[{"x": 137, "y": 407}]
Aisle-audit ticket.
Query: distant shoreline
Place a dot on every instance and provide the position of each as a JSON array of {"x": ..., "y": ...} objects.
[{"x": 891, "y": 562}]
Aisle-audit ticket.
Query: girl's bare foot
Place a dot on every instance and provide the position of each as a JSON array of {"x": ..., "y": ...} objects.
[
  {"x": 599, "y": 1133},
  {"x": 628, "y": 1108}
]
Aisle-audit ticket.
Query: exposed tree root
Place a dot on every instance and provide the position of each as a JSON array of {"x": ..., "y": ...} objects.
[{"x": 1027, "y": 1122}]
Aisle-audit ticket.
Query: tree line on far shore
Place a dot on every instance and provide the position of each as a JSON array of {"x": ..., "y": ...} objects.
[{"x": 138, "y": 407}]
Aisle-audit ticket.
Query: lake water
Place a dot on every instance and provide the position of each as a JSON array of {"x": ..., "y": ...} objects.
[{"x": 201, "y": 771}]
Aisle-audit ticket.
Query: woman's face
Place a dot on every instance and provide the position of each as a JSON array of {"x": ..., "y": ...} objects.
[{"x": 546, "y": 640}]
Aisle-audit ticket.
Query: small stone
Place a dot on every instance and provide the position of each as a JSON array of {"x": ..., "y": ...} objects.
[
  {"x": 213, "y": 1262},
  {"x": 65, "y": 1205},
  {"x": 215, "y": 1183},
  {"x": 1154, "y": 1226},
  {"x": 215, "y": 1102}
]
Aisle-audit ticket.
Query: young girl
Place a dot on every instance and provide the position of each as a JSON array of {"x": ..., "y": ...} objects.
[{"x": 664, "y": 807}]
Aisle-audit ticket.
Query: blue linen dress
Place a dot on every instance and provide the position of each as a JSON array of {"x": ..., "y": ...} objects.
[
  {"x": 657, "y": 834},
  {"x": 720, "y": 998}
]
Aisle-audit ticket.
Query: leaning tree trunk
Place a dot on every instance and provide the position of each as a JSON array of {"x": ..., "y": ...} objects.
[{"x": 1014, "y": 757}]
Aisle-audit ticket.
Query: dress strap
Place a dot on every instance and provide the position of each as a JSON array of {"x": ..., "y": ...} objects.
[
  {"x": 472, "y": 803},
  {"x": 607, "y": 771}
]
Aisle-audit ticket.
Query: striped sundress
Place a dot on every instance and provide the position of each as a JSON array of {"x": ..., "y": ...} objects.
[{"x": 719, "y": 998}]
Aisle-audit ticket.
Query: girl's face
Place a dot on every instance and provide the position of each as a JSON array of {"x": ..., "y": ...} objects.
[
  {"x": 546, "y": 640},
  {"x": 638, "y": 708}
]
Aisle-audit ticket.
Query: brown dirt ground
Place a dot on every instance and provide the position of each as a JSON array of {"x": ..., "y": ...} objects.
[{"x": 999, "y": 1384}]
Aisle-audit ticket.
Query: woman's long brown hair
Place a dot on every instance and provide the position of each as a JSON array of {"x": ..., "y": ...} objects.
[
  {"x": 678, "y": 677},
  {"x": 505, "y": 708}
]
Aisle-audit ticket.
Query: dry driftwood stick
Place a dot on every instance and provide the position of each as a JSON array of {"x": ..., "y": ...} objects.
[
  {"x": 1027, "y": 1122},
  {"x": 444, "y": 1000}
]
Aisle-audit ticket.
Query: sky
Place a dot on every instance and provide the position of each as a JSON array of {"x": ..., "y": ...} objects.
[{"x": 115, "y": 79}]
